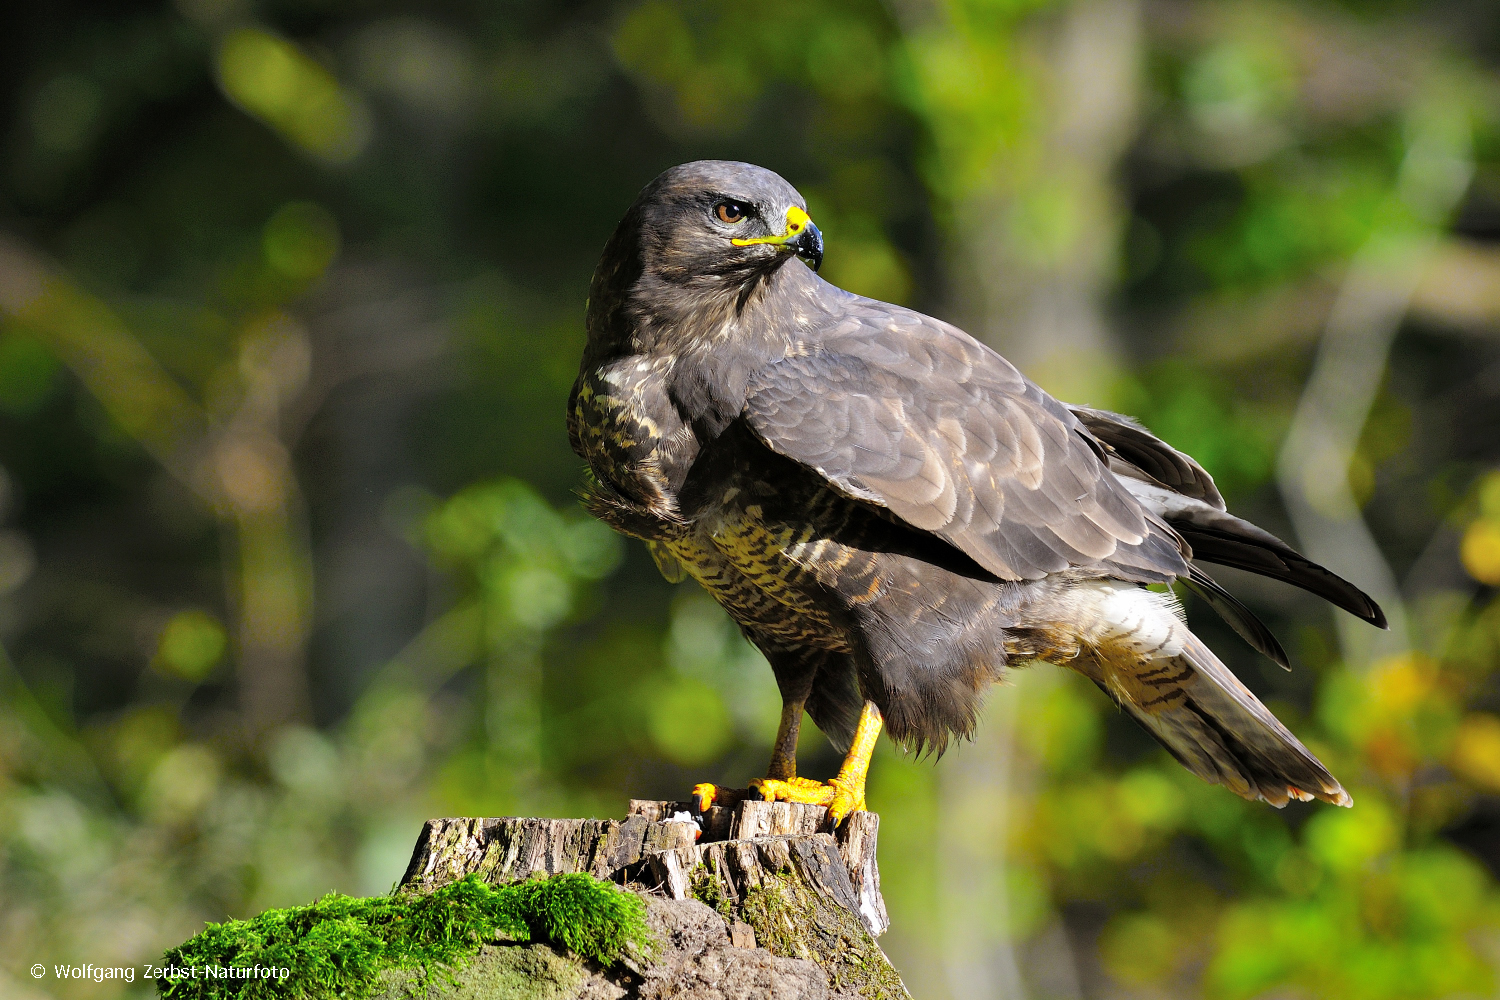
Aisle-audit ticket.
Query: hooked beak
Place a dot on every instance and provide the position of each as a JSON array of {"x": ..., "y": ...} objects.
[
  {"x": 801, "y": 237},
  {"x": 809, "y": 246}
]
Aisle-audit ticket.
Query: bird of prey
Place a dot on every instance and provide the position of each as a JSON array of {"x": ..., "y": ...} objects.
[{"x": 892, "y": 512}]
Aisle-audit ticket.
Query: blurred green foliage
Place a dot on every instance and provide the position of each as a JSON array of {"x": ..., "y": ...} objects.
[{"x": 290, "y": 561}]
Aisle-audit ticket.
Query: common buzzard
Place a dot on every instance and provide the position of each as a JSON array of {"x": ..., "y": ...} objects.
[{"x": 892, "y": 512}]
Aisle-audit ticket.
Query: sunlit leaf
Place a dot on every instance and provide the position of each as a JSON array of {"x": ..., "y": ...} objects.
[{"x": 273, "y": 79}]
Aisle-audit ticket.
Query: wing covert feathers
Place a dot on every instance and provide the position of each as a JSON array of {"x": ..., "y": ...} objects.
[{"x": 899, "y": 410}]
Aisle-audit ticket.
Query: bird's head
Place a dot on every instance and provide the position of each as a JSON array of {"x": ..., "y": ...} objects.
[{"x": 720, "y": 222}]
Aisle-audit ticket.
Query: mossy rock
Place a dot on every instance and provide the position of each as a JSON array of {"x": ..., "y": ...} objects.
[
  {"x": 498, "y": 972},
  {"x": 694, "y": 958},
  {"x": 341, "y": 947}
]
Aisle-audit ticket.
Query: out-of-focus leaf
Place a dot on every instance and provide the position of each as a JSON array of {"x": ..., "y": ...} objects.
[
  {"x": 273, "y": 79},
  {"x": 191, "y": 645},
  {"x": 1481, "y": 551},
  {"x": 1476, "y": 750},
  {"x": 27, "y": 373},
  {"x": 301, "y": 240}
]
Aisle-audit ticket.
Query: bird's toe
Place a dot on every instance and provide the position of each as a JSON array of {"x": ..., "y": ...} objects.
[
  {"x": 845, "y": 800},
  {"x": 804, "y": 790},
  {"x": 704, "y": 794}
]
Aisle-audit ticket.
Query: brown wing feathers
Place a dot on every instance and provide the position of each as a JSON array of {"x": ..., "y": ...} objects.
[
  {"x": 950, "y": 438},
  {"x": 914, "y": 416},
  {"x": 1176, "y": 488},
  {"x": 1149, "y": 455}
]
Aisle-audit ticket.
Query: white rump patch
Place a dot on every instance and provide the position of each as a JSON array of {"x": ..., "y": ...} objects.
[{"x": 1115, "y": 613}]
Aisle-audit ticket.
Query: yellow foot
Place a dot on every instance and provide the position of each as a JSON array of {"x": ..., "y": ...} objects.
[
  {"x": 704, "y": 794},
  {"x": 832, "y": 793},
  {"x": 846, "y": 800},
  {"x": 806, "y": 790}
]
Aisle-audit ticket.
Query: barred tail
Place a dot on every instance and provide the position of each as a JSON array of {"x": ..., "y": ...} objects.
[{"x": 1213, "y": 724}]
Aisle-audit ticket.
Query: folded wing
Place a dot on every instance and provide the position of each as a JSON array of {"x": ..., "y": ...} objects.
[
  {"x": 1177, "y": 489},
  {"x": 912, "y": 415}
]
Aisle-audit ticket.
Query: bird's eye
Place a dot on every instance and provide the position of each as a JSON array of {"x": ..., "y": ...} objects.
[{"x": 730, "y": 212}]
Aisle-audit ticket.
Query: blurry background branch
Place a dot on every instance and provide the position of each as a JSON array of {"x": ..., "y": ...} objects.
[
  {"x": 145, "y": 401},
  {"x": 1459, "y": 289},
  {"x": 236, "y": 463},
  {"x": 1351, "y": 360}
]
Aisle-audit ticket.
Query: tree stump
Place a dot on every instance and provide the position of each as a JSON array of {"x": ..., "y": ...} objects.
[{"x": 781, "y": 882}]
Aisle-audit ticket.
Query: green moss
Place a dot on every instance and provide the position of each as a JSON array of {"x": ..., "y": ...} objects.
[
  {"x": 338, "y": 946},
  {"x": 505, "y": 972},
  {"x": 770, "y": 909},
  {"x": 792, "y": 920},
  {"x": 704, "y": 886}
]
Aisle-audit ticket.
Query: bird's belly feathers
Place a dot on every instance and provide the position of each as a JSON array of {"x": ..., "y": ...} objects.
[
  {"x": 809, "y": 574},
  {"x": 814, "y": 579},
  {"x": 746, "y": 566}
]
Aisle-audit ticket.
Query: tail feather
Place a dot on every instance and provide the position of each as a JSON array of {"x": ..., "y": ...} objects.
[{"x": 1196, "y": 708}]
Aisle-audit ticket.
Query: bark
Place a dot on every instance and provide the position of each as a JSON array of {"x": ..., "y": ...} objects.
[{"x": 767, "y": 900}]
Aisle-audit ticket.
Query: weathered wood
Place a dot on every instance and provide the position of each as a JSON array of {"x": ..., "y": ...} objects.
[
  {"x": 779, "y": 874},
  {"x": 748, "y": 819},
  {"x": 857, "y": 839},
  {"x": 794, "y": 892},
  {"x": 513, "y": 848},
  {"x": 741, "y": 935}
]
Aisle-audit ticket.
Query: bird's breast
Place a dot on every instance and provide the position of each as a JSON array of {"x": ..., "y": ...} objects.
[{"x": 625, "y": 426}]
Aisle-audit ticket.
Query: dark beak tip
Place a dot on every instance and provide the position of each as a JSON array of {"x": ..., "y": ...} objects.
[{"x": 809, "y": 246}]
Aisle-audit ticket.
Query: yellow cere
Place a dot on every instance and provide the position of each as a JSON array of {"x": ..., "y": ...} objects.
[{"x": 796, "y": 221}]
